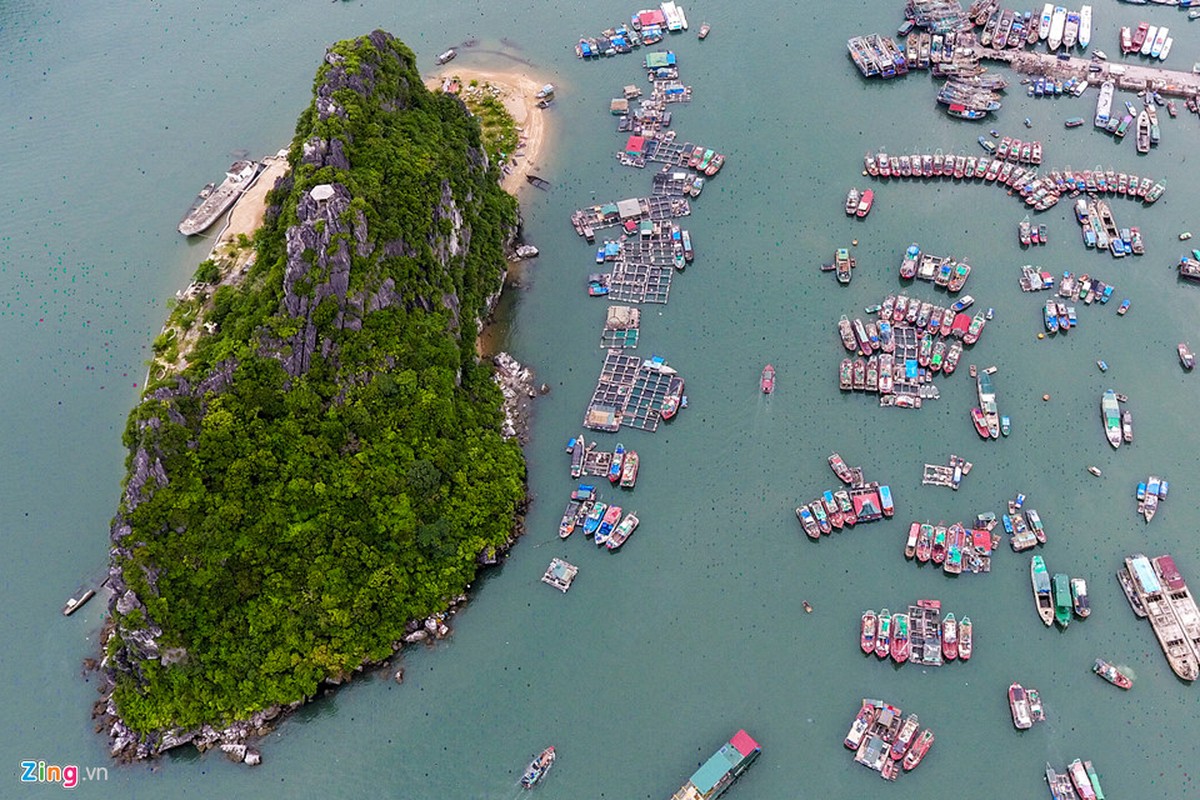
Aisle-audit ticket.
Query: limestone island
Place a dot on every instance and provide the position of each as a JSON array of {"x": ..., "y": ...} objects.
[{"x": 318, "y": 466}]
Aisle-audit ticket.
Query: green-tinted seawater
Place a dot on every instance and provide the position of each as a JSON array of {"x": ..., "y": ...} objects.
[{"x": 114, "y": 116}]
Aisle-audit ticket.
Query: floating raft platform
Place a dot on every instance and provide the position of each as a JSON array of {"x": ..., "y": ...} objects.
[
  {"x": 621, "y": 328},
  {"x": 596, "y": 462},
  {"x": 630, "y": 393},
  {"x": 560, "y": 574},
  {"x": 627, "y": 213},
  {"x": 939, "y": 475},
  {"x": 925, "y": 633}
]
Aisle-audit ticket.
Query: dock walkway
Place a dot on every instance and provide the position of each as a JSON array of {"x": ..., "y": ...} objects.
[{"x": 1128, "y": 76}]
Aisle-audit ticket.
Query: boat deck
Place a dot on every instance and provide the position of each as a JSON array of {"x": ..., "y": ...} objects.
[{"x": 630, "y": 393}]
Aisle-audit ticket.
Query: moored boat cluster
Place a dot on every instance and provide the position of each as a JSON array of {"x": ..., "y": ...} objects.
[
  {"x": 859, "y": 501},
  {"x": 955, "y": 548},
  {"x": 1079, "y": 781},
  {"x": 1038, "y": 191},
  {"x": 921, "y": 635},
  {"x": 884, "y": 740},
  {"x": 1057, "y": 597}
]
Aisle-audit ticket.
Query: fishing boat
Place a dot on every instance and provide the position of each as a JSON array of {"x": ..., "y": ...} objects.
[
  {"x": 539, "y": 182},
  {"x": 612, "y": 516},
  {"x": 844, "y": 473},
  {"x": 865, "y": 203},
  {"x": 1143, "y": 132},
  {"x": 614, "y": 469},
  {"x": 1085, "y": 26},
  {"x": 962, "y": 303},
  {"x": 901, "y": 647},
  {"x": 623, "y": 531},
  {"x": 808, "y": 522},
  {"x": 1079, "y": 598},
  {"x": 846, "y": 375},
  {"x": 1131, "y": 594},
  {"x": 1045, "y": 20},
  {"x": 570, "y": 518},
  {"x": 852, "y": 198},
  {"x": 939, "y": 544},
  {"x": 1018, "y": 704},
  {"x": 1005, "y": 425},
  {"x": 885, "y": 501},
  {"x": 918, "y": 750},
  {"x": 925, "y": 543},
  {"x": 981, "y": 426},
  {"x": 629, "y": 470},
  {"x": 1050, "y": 317},
  {"x": 846, "y": 332},
  {"x": 767, "y": 381},
  {"x": 818, "y": 512},
  {"x": 1094, "y": 470},
  {"x": 866, "y": 639},
  {"x": 949, "y": 638},
  {"x": 442, "y": 59},
  {"x": 1110, "y": 411},
  {"x": 908, "y": 266},
  {"x": 1043, "y": 599},
  {"x": 966, "y": 641},
  {"x": 541, "y": 763},
  {"x": 858, "y": 729},
  {"x": 1186, "y": 357},
  {"x": 883, "y": 634},
  {"x": 1062, "y": 599},
  {"x": 1127, "y": 426},
  {"x": 1111, "y": 674},
  {"x": 1074, "y": 122},
  {"x": 833, "y": 511},
  {"x": 1037, "y": 712},
  {"x": 910, "y": 546},
  {"x": 578, "y": 448},
  {"x": 673, "y": 400},
  {"x": 1058, "y": 23},
  {"x": 1079, "y": 777},
  {"x": 843, "y": 263},
  {"x": 704, "y": 30}
]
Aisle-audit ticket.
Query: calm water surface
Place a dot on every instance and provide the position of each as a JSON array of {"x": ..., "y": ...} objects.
[{"x": 115, "y": 115}]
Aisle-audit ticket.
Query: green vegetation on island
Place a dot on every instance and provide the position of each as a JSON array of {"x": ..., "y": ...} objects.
[{"x": 328, "y": 465}]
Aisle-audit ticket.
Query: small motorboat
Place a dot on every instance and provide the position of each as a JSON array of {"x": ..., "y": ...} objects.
[
  {"x": 1094, "y": 470},
  {"x": 538, "y": 768},
  {"x": 767, "y": 381}
]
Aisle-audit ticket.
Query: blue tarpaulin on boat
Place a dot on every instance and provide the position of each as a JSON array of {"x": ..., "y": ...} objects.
[
  {"x": 910, "y": 368},
  {"x": 1145, "y": 575}
]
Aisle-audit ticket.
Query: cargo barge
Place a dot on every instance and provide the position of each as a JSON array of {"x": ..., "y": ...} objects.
[
  {"x": 720, "y": 771},
  {"x": 1171, "y": 609}
]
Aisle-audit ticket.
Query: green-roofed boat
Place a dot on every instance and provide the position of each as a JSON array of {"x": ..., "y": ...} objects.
[{"x": 1062, "y": 599}]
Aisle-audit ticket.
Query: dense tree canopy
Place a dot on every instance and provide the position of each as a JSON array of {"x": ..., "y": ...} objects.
[{"x": 307, "y": 515}]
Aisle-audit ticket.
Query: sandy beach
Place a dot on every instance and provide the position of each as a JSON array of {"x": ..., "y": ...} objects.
[{"x": 517, "y": 90}]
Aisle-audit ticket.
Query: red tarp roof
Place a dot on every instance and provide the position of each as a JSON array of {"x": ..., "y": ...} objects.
[
  {"x": 962, "y": 322},
  {"x": 982, "y": 540},
  {"x": 1169, "y": 572},
  {"x": 655, "y": 17},
  {"x": 744, "y": 744},
  {"x": 636, "y": 144}
]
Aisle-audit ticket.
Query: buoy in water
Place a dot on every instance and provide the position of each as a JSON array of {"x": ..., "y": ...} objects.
[
  {"x": 1045, "y": 397},
  {"x": 1041, "y": 336},
  {"x": 807, "y": 608},
  {"x": 854, "y": 242}
]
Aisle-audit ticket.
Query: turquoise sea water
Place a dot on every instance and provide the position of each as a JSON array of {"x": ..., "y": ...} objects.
[{"x": 115, "y": 115}]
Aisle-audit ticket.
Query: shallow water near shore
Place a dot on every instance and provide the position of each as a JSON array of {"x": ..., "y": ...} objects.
[{"x": 659, "y": 652}]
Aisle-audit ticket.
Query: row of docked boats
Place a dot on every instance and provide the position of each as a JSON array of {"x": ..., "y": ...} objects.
[
  {"x": 1025, "y": 528},
  {"x": 1030, "y": 234},
  {"x": 1147, "y": 40},
  {"x": 886, "y": 634},
  {"x": 1026, "y": 706},
  {"x": 1039, "y": 191},
  {"x": 1045, "y": 86},
  {"x": 948, "y": 546},
  {"x": 604, "y": 523},
  {"x": 859, "y": 203},
  {"x": 622, "y": 468},
  {"x": 1079, "y": 781},
  {"x": 1058, "y": 596},
  {"x": 884, "y": 740},
  {"x": 897, "y": 312},
  {"x": 945, "y": 271},
  {"x": 1100, "y": 231},
  {"x": 1056, "y": 25},
  {"x": 1012, "y": 149},
  {"x": 834, "y": 510},
  {"x": 1084, "y": 287},
  {"x": 1149, "y": 493},
  {"x": 877, "y": 56}
]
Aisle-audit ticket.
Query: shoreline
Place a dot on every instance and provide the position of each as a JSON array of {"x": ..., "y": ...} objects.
[{"x": 517, "y": 91}]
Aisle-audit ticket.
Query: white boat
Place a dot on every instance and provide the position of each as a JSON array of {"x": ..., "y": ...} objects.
[
  {"x": 1085, "y": 26},
  {"x": 1071, "y": 31},
  {"x": 1057, "y": 23},
  {"x": 674, "y": 16},
  {"x": 1159, "y": 40},
  {"x": 1104, "y": 103},
  {"x": 1166, "y": 48},
  {"x": 1151, "y": 32},
  {"x": 1044, "y": 23}
]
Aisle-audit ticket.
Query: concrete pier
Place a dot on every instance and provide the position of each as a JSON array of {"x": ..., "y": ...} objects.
[{"x": 1127, "y": 76}]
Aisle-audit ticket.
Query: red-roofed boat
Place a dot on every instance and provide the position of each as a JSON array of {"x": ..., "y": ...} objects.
[
  {"x": 767, "y": 381},
  {"x": 919, "y": 749}
]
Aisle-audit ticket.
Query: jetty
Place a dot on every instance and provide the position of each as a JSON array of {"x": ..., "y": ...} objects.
[
  {"x": 1127, "y": 75},
  {"x": 627, "y": 213},
  {"x": 560, "y": 574}
]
